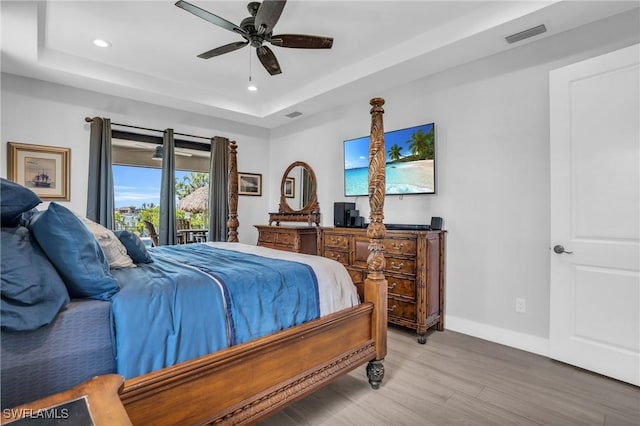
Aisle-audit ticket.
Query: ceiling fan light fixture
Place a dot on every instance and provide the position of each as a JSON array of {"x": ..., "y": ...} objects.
[
  {"x": 101, "y": 43},
  {"x": 252, "y": 87}
]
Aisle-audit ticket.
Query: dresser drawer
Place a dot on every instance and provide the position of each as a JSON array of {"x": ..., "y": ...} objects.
[
  {"x": 267, "y": 237},
  {"x": 340, "y": 256},
  {"x": 400, "y": 266},
  {"x": 286, "y": 239},
  {"x": 400, "y": 246},
  {"x": 337, "y": 241},
  {"x": 399, "y": 308},
  {"x": 401, "y": 286}
]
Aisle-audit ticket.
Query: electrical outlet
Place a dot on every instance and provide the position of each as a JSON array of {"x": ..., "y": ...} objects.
[{"x": 521, "y": 305}]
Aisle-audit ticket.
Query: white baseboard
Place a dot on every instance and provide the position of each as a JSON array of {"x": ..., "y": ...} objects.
[{"x": 526, "y": 342}]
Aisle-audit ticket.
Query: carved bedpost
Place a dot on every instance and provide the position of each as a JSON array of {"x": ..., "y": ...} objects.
[
  {"x": 232, "y": 222},
  {"x": 375, "y": 284}
]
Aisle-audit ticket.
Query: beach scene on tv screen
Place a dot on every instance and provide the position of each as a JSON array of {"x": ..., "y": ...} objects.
[{"x": 410, "y": 155}]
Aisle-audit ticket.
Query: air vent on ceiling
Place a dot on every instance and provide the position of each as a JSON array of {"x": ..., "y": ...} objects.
[
  {"x": 294, "y": 114},
  {"x": 526, "y": 34}
]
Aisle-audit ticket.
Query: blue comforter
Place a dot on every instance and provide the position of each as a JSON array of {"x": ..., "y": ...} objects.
[{"x": 195, "y": 299}]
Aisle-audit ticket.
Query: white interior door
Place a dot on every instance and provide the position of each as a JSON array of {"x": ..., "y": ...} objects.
[{"x": 595, "y": 214}]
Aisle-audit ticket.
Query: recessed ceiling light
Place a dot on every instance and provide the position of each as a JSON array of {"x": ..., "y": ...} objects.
[{"x": 101, "y": 43}]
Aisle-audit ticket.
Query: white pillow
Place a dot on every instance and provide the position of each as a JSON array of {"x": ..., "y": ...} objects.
[{"x": 112, "y": 247}]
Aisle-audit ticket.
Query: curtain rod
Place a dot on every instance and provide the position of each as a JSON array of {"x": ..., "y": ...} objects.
[{"x": 89, "y": 120}]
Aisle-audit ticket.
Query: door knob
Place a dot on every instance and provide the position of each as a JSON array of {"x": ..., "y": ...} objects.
[{"x": 560, "y": 249}]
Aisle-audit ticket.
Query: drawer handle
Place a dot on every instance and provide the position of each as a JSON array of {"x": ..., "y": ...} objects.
[
  {"x": 396, "y": 267},
  {"x": 392, "y": 286},
  {"x": 335, "y": 240},
  {"x": 336, "y": 257},
  {"x": 392, "y": 308},
  {"x": 397, "y": 246}
]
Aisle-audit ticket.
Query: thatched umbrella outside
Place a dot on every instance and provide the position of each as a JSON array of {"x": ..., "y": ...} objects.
[{"x": 196, "y": 202}]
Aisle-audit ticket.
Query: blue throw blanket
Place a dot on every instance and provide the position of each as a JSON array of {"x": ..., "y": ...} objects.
[{"x": 195, "y": 299}]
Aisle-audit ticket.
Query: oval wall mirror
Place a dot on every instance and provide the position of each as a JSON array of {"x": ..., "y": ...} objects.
[{"x": 298, "y": 189}]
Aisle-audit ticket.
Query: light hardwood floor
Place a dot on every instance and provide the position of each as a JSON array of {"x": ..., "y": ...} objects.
[{"x": 460, "y": 380}]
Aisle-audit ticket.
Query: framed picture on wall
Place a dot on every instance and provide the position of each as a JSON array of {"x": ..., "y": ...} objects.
[
  {"x": 290, "y": 187},
  {"x": 42, "y": 169},
  {"x": 249, "y": 184}
]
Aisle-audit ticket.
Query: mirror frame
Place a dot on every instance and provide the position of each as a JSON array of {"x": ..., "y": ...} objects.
[{"x": 312, "y": 205}]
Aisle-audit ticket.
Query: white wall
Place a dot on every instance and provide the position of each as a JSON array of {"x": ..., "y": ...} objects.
[
  {"x": 492, "y": 149},
  {"x": 42, "y": 113}
]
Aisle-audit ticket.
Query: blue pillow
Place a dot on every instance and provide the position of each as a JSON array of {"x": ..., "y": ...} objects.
[
  {"x": 74, "y": 251},
  {"x": 136, "y": 249},
  {"x": 32, "y": 291},
  {"x": 14, "y": 200}
]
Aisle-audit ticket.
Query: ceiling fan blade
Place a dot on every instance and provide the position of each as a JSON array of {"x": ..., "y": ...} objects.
[
  {"x": 210, "y": 17},
  {"x": 268, "y": 60},
  {"x": 268, "y": 15},
  {"x": 223, "y": 49},
  {"x": 301, "y": 41}
]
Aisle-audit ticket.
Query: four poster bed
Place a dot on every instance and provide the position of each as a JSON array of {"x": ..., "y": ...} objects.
[{"x": 245, "y": 382}]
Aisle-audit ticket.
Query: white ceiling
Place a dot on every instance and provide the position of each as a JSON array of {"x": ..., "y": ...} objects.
[{"x": 377, "y": 45}]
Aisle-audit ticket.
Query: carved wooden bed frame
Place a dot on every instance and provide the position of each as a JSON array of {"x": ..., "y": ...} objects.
[{"x": 245, "y": 383}]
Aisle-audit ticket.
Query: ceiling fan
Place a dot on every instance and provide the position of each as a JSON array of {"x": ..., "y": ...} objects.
[
  {"x": 156, "y": 149},
  {"x": 258, "y": 29}
]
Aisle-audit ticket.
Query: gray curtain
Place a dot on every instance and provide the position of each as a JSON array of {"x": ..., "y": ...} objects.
[
  {"x": 167, "y": 226},
  {"x": 218, "y": 189},
  {"x": 100, "y": 199}
]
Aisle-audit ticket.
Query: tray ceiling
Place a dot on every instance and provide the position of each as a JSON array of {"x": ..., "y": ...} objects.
[{"x": 377, "y": 45}]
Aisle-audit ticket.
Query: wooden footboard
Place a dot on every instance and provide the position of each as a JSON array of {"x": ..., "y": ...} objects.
[{"x": 243, "y": 384}]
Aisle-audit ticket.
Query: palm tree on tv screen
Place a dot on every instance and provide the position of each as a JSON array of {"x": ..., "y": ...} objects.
[
  {"x": 421, "y": 145},
  {"x": 394, "y": 152}
]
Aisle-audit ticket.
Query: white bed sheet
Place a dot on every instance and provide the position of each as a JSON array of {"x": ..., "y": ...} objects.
[{"x": 335, "y": 287}]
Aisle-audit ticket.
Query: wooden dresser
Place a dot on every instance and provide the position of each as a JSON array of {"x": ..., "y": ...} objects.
[
  {"x": 298, "y": 239},
  {"x": 414, "y": 271}
]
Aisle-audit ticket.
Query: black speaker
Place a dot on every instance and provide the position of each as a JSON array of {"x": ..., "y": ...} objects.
[
  {"x": 340, "y": 212},
  {"x": 436, "y": 223},
  {"x": 352, "y": 216}
]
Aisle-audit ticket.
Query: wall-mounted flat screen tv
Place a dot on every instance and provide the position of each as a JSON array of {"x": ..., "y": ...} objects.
[{"x": 410, "y": 157}]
